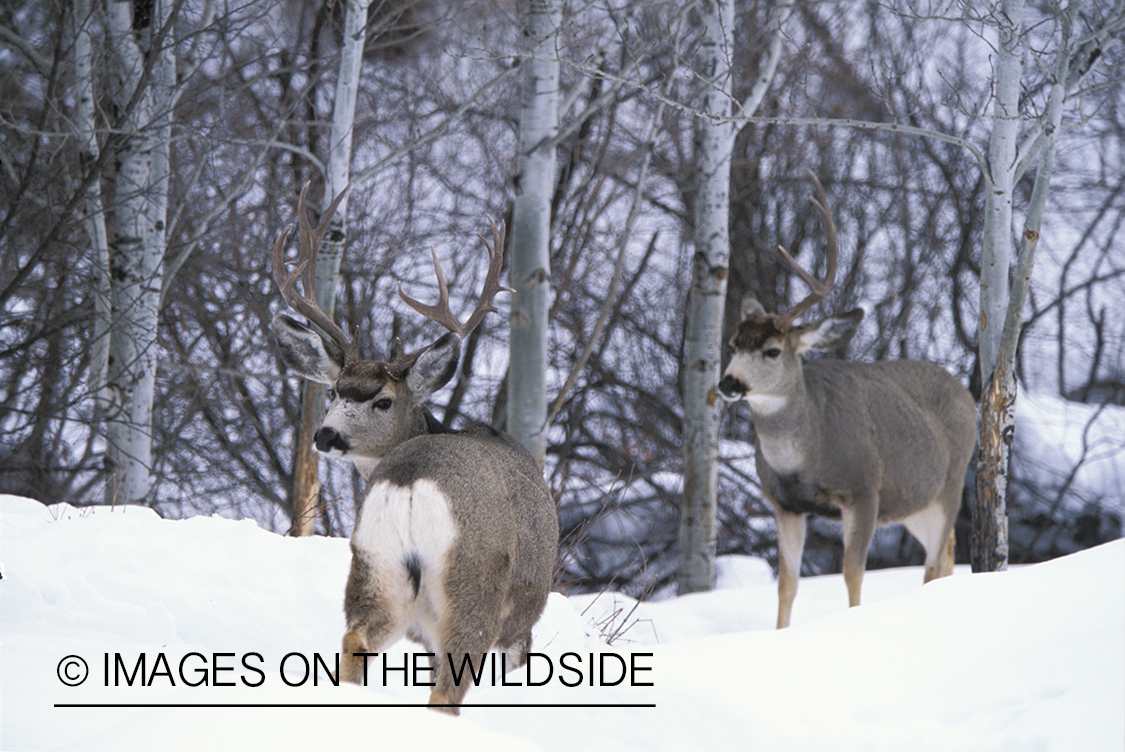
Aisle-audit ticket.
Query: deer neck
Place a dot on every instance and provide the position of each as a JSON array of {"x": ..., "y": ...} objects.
[
  {"x": 782, "y": 423},
  {"x": 422, "y": 423},
  {"x": 366, "y": 465},
  {"x": 431, "y": 425}
]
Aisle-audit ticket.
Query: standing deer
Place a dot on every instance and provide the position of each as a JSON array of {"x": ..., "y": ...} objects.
[
  {"x": 870, "y": 443},
  {"x": 456, "y": 541}
]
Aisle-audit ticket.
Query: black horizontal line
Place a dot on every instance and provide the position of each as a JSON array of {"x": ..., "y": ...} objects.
[{"x": 343, "y": 705}]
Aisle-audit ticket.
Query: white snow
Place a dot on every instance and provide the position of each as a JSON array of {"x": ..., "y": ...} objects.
[
  {"x": 1081, "y": 446},
  {"x": 1029, "y": 659}
]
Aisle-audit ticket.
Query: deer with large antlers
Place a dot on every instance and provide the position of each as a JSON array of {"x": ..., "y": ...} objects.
[
  {"x": 456, "y": 541},
  {"x": 869, "y": 443}
]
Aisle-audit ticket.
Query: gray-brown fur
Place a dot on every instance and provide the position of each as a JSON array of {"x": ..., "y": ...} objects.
[
  {"x": 499, "y": 568},
  {"x": 873, "y": 443},
  {"x": 456, "y": 542}
]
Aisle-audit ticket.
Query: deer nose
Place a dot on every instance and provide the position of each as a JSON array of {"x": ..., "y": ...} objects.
[
  {"x": 731, "y": 388},
  {"x": 328, "y": 439}
]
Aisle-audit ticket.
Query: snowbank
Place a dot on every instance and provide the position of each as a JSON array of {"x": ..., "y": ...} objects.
[{"x": 1028, "y": 659}]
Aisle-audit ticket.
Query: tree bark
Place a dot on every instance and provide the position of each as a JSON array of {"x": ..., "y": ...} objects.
[
  {"x": 706, "y": 299},
  {"x": 85, "y": 122},
  {"x": 997, "y": 419},
  {"x": 989, "y": 545},
  {"x": 136, "y": 251},
  {"x": 530, "y": 271},
  {"x": 306, "y": 461},
  {"x": 306, "y": 474}
]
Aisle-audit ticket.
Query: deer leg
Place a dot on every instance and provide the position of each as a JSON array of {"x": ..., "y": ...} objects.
[
  {"x": 470, "y": 625},
  {"x": 515, "y": 632},
  {"x": 859, "y": 529},
  {"x": 934, "y": 530},
  {"x": 371, "y": 620},
  {"x": 362, "y": 638},
  {"x": 515, "y": 651},
  {"x": 472, "y": 637},
  {"x": 944, "y": 565},
  {"x": 951, "y": 504},
  {"x": 790, "y": 545}
]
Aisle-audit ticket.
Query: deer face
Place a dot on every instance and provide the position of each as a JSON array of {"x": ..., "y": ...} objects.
[
  {"x": 373, "y": 406},
  {"x": 764, "y": 363},
  {"x": 368, "y": 412},
  {"x": 765, "y": 369}
]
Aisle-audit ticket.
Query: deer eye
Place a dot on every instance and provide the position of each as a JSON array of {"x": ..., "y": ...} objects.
[
  {"x": 771, "y": 353},
  {"x": 383, "y": 404}
]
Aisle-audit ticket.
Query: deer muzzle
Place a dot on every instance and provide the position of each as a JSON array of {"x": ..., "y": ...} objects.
[
  {"x": 732, "y": 388},
  {"x": 329, "y": 440}
]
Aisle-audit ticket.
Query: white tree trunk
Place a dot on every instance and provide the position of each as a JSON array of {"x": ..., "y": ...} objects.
[
  {"x": 165, "y": 95},
  {"x": 1000, "y": 331},
  {"x": 306, "y": 475},
  {"x": 136, "y": 254},
  {"x": 531, "y": 229},
  {"x": 999, "y": 180},
  {"x": 990, "y": 516},
  {"x": 331, "y": 253},
  {"x": 706, "y": 300},
  {"x": 85, "y": 122}
]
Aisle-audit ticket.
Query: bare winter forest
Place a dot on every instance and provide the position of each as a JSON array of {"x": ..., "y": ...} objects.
[{"x": 151, "y": 152}]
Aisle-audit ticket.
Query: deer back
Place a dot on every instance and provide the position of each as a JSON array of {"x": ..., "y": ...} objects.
[
  {"x": 830, "y": 431},
  {"x": 859, "y": 430},
  {"x": 496, "y": 498},
  {"x": 457, "y": 536}
]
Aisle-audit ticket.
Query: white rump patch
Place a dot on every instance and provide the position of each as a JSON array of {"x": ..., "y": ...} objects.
[{"x": 397, "y": 521}]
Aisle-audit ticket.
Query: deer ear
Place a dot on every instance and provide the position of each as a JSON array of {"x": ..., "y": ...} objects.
[
  {"x": 751, "y": 307},
  {"x": 829, "y": 333},
  {"x": 434, "y": 367},
  {"x": 306, "y": 352}
]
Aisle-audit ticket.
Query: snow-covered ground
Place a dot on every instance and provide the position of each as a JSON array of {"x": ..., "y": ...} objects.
[
  {"x": 1030, "y": 659},
  {"x": 1068, "y": 472}
]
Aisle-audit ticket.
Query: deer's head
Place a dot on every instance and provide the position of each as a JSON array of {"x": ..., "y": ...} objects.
[
  {"x": 766, "y": 365},
  {"x": 373, "y": 405}
]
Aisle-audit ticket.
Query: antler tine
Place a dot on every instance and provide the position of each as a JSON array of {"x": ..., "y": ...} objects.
[
  {"x": 819, "y": 287},
  {"x": 306, "y": 303},
  {"x": 492, "y": 280},
  {"x": 440, "y": 312}
]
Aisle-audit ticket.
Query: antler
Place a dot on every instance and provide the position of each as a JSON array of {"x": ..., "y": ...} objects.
[
  {"x": 820, "y": 288},
  {"x": 440, "y": 312},
  {"x": 306, "y": 303}
]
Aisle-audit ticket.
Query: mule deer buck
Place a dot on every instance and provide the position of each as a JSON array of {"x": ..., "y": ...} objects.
[
  {"x": 456, "y": 541},
  {"x": 870, "y": 443}
]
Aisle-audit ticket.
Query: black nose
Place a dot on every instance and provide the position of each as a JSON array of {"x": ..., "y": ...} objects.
[
  {"x": 328, "y": 439},
  {"x": 731, "y": 388}
]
